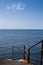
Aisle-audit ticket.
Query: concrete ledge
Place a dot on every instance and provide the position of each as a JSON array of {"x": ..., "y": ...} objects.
[
  {"x": 14, "y": 62},
  {"x": 23, "y": 61}
]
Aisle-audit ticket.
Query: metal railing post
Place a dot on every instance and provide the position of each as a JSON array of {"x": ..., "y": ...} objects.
[
  {"x": 28, "y": 55},
  {"x": 24, "y": 53},
  {"x": 41, "y": 53},
  {"x": 12, "y": 52}
]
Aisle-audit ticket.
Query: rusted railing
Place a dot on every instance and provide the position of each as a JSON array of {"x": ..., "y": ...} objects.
[{"x": 27, "y": 54}]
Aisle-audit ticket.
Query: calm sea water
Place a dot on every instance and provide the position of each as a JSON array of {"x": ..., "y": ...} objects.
[{"x": 20, "y": 37}]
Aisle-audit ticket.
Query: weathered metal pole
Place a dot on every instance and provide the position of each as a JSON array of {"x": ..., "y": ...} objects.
[
  {"x": 28, "y": 55},
  {"x": 41, "y": 53},
  {"x": 12, "y": 52},
  {"x": 24, "y": 53}
]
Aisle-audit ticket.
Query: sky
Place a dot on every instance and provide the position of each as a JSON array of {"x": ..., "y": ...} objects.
[{"x": 21, "y": 14}]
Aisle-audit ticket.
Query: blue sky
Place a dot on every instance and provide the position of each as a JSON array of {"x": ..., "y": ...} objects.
[{"x": 21, "y": 14}]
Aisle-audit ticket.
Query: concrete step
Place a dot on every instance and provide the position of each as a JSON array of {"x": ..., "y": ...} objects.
[{"x": 12, "y": 62}]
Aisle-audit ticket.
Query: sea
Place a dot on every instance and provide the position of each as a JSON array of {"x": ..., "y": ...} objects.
[{"x": 19, "y": 38}]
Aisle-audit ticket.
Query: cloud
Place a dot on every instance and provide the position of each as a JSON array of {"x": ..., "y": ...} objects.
[
  {"x": 13, "y": 6},
  {"x": 18, "y": 6},
  {"x": 8, "y": 7}
]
